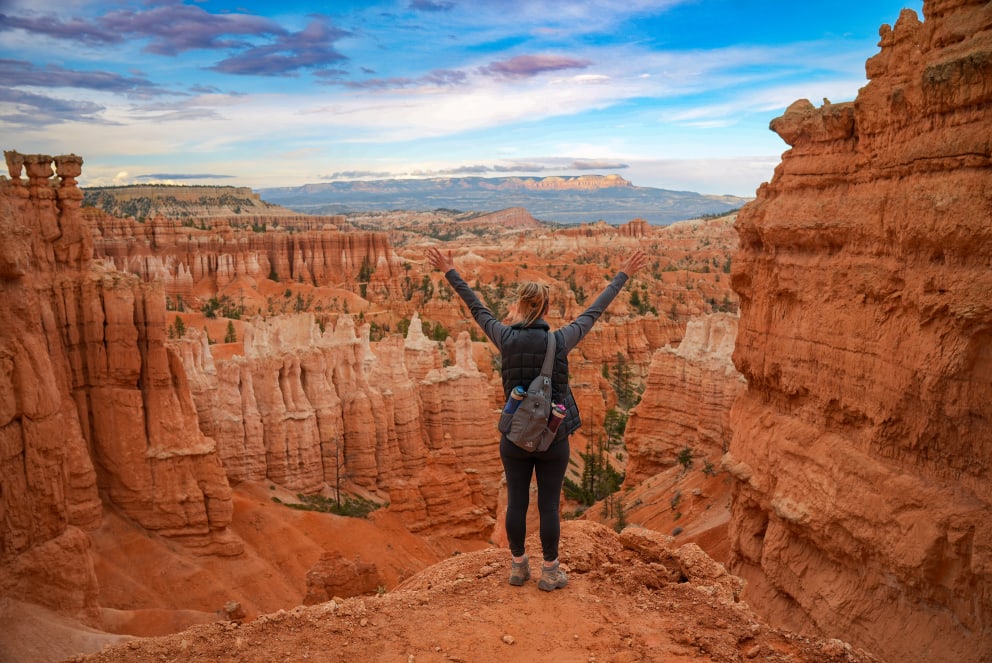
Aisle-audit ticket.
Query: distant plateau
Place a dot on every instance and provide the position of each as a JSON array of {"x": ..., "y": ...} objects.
[{"x": 569, "y": 200}]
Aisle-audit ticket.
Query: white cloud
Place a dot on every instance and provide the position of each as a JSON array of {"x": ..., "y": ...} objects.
[
  {"x": 739, "y": 176},
  {"x": 774, "y": 100}
]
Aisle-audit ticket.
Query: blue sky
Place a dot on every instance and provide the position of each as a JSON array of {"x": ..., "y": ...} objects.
[{"x": 674, "y": 94}]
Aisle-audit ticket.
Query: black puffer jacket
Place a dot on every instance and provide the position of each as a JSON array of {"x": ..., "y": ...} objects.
[
  {"x": 522, "y": 349},
  {"x": 521, "y": 359}
]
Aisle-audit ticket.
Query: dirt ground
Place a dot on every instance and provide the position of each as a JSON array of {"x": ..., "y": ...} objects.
[{"x": 630, "y": 598}]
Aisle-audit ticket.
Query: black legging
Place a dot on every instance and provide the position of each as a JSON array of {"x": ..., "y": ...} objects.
[{"x": 520, "y": 466}]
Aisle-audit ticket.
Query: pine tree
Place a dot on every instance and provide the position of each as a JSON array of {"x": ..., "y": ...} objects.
[
  {"x": 635, "y": 300},
  {"x": 623, "y": 383},
  {"x": 621, "y": 514},
  {"x": 231, "y": 336}
]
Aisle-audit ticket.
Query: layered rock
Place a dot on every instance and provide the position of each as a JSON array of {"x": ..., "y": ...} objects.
[
  {"x": 572, "y": 183},
  {"x": 509, "y": 218},
  {"x": 863, "y": 444},
  {"x": 634, "y": 228},
  {"x": 688, "y": 393},
  {"x": 90, "y": 400},
  {"x": 182, "y": 257},
  {"x": 307, "y": 408}
]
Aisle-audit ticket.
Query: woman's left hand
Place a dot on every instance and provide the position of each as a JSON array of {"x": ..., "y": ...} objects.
[{"x": 439, "y": 260}]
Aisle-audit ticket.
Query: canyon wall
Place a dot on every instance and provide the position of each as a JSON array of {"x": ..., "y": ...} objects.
[
  {"x": 688, "y": 393},
  {"x": 862, "y": 447},
  {"x": 194, "y": 262},
  {"x": 92, "y": 403}
]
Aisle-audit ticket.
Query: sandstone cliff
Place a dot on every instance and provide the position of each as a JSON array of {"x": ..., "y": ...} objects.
[
  {"x": 196, "y": 263},
  {"x": 91, "y": 398},
  {"x": 863, "y": 444}
]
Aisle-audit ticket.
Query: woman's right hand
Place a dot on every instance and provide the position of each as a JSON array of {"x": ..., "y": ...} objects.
[
  {"x": 439, "y": 260},
  {"x": 634, "y": 262}
]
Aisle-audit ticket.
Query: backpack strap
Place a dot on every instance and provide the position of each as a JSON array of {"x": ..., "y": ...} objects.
[{"x": 549, "y": 356}]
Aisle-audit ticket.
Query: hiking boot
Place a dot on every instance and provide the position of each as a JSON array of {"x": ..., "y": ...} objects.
[
  {"x": 552, "y": 578},
  {"x": 519, "y": 571}
]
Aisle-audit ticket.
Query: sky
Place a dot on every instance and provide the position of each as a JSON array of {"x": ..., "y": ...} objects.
[{"x": 673, "y": 94}]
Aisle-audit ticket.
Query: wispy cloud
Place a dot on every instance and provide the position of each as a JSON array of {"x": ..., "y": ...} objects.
[
  {"x": 37, "y": 110},
  {"x": 75, "y": 29},
  {"x": 554, "y": 164},
  {"x": 206, "y": 106},
  {"x": 774, "y": 97},
  {"x": 428, "y": 6},
  {"x": 182, "y": 176},
  {"x": 261, "y": 46},
  {"x": 597, "y": 164},
  {"x": 439, "y": 78},
  {"x": 445, "y": 77},
  {"x": 310, "y": 48},
  {"x": 18, "y": 73},
  {"x": 526, "y": 66},
  {"x": 175, "y": 28},
  {"x": 204, "y": 89},
  {"x": 170, "y": 29},
  {"x": 355, "y": 175}
]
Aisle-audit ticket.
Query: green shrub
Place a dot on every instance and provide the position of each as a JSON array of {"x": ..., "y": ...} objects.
[{"x": 356, "y": 507}]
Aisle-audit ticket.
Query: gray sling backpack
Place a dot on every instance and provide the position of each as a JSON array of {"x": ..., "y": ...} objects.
[{"x": 527, "y": 426}]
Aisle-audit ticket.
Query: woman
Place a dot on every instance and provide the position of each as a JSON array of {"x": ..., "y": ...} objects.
[{"x": 522, "y": 347}]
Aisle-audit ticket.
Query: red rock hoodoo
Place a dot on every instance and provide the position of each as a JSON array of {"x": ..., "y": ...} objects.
[{"x": 862, "y": 447}]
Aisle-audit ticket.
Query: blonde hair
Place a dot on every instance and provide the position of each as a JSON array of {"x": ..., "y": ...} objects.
[{"x": 532, "y": 302}]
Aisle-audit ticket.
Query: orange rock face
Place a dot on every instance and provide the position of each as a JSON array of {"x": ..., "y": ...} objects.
[
  {"x": 90, "y": 398},
  {"x": 689, "y": 391},
  {"x": 334, "y": 576},
  {"x": 863, "y": 444},
  {"x": 184, "y": 257}
]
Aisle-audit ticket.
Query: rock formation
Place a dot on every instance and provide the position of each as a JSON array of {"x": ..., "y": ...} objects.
[
  {"x": 213, "y": 207},
  {"x": 688, "y": 393},
  {"x": 182, "y": 256},
  {"x": 334, "y": 576},
  {"x": 863, "y": 444},
  {"x": 306, "y": 408},
  {"x": 91, "y": 398},
  {"x": 571, "y": 183}
]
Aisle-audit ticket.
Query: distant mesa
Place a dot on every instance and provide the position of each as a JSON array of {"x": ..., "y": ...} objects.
[
  {"x": 205, "y": 207},
  {"x": 570, "y": 200}
]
